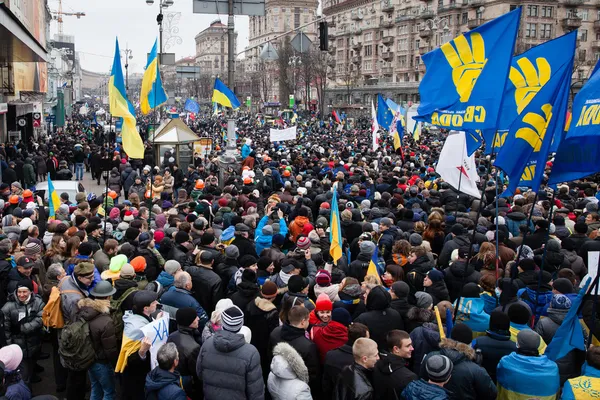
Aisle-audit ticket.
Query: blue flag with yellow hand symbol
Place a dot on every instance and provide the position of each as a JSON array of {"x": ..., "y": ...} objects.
[
  {"x": 475, "y": 65},
  {"x": 525, "y": 151},
  {"x": 579, "y": 151}
]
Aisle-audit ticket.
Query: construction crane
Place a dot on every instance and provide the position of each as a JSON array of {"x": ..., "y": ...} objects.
[{"x": 59, "y": 14}]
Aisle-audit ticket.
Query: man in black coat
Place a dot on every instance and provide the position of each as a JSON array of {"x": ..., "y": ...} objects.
[
  {"x": 380, "y": 318},
  {"x": 389, "y": 235},
  {"x": 9, "y": 175},
  {"x": 206, "y": 283},
  {"x": 539, "y": 237},
  {"x": 188, "y": 340},
  {"x": 354, "y": 381},
  {"x": 496, "y": 343},
  {"x": 391, "y": 373},
  {"x": 244, "y": 245}
]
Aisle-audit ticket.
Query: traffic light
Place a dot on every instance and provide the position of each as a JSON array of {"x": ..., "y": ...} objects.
[{"x": 323, "y": 40}]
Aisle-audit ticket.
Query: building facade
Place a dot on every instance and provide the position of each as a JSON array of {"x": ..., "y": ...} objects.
[
  {"x": 376, "y": 47},
  {"x": 212, "y": 51}
]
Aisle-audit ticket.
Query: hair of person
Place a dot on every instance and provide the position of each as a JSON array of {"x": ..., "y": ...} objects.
[
  {"x": 54, "y": 271},
  {"x": 593, "y": 357},
  {"x": 166, "y": 356},
  {"x": 362, "y": 347},
  {"x": 396, "y": 271},
  {"x": 395, "y": 338},
  {"x": 356, "y": 330},
  {"x": 72, "y": 246},
  {"x": 442, "y": 307},
  {"x": 286, "y": 306},
  {"x": 110, "y": 245},
  {"x": 181, "y": 279},
  {"x": 419, "y": 251},
  {"x": 80, "y": 234},
  {"x": 401, "y": 247},
  {"x": 569, "y": 274},
  {"x": 298, "y": 314},
  {"x": 185, "y": 226}
]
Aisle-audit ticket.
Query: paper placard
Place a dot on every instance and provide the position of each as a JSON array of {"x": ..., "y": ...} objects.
[
  {"x": 158, "y": 332},
  {"x": 279, "y": 135},
  {"x": 593, "y": 257}
]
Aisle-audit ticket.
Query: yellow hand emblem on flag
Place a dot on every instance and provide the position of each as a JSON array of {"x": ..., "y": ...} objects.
[
  {"x": 528, "y": 173},
  {"x": 530, "y": 80},
  {"x": 539, "y": 123},
  {"x": 467, "y": 62}
]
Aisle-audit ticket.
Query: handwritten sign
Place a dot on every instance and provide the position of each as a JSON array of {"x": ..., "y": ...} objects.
[{"x": 158, "y": 332}]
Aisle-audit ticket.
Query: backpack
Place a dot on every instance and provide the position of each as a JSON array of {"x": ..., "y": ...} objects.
[
  {"x": 52, "y": 315},
  {"x": 75, "y": 346},
  {"x": 117, "y": 314}
]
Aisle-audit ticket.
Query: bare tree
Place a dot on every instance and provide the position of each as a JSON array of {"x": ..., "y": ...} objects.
[
  {"x": 349, "y": 77},
  {"x": 284, "y": 72}
]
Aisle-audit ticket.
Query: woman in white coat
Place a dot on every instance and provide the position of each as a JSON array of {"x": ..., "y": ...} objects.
[{"x": 288, "y": 379}]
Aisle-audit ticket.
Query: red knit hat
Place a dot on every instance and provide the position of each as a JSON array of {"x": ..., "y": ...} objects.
[
  {"x": 323, "y": 303},
  {"x": 303, "y": 243},
  {"x": 324, "y": 205},
  {"x": 223, "y": 202},
  {"x": 159, "y": 236},
  {"x": 323, "y": 278}
]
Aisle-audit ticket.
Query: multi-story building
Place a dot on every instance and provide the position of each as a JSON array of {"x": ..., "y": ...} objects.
[
  {"x": 212, "y": 50},
  {"x": 377, "y": 47}
]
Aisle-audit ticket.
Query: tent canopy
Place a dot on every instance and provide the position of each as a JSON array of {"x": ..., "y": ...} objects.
[{"x": 174, "y": 132}]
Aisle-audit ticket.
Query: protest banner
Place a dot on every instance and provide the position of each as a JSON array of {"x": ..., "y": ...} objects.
[
  {"x": 158, "y": 332},
  {"x": 279, "y": 135}
]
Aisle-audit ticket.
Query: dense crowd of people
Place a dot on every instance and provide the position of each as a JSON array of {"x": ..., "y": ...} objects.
[{"x": 469, "y": 294}]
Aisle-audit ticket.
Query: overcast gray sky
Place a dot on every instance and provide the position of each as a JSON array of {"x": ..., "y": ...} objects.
[{"x": 134, "y": 23}]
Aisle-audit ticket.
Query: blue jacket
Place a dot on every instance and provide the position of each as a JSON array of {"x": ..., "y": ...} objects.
[
  {"x": 165, "y": 279},
  {"x": 544, "y": 299},
  {"x": 164, "y": 385},
  {"x": 246, "y": 150},
  {"x": 265, "y": 241},
  {"x": 586, "y": 386},
  {"x": 176, "y": 298},
  {"x": 422, "y": 390}
]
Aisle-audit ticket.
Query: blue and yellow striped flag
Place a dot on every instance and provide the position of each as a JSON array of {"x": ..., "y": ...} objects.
[
  {"x": 53, "y": 199},
  {"x": 121, "y": 107},
  {"x": 224, "y": 96},
  {"x": 153, "y": 94},
  {"x": 335, "y": 235},
  {"x": 374, "y": 266}
]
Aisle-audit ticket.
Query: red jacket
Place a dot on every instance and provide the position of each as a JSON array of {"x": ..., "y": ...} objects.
[{"x": 330, "y": 337}]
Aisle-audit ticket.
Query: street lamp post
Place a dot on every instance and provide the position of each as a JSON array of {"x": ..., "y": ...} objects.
[
  {"x": 435, "y": 24},
  {"x": 128, "y": 57},
  {"x": 294, "y": 62},
  {"x": 159, "y": 19}
]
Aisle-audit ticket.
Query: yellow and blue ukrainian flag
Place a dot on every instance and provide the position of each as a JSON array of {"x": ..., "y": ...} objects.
[
  {"x": 335, "y": 234},
  {"x": 523, "y": 377},
  {"x": 153, "y": 94},
  {"x": 53, "y": 199},
  {"x": 132, "y": 339},
  {"x": 374, "y": 268},
  {"x": 224, "y": 96},
  {"x": 475, "y": 67},
  {"x": 121, "y": 107}
]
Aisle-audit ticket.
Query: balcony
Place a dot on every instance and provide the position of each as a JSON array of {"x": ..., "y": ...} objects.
[
  {"x": 573, "y": 3},
  {"x": 473, "y": 3},
  {"x": 449, "y": 7},
  {"x": 387, "y": 55},
  {"x": 425, "y": 33},
  {"x": 426, "y": 14},
  {"x": 387, "y": 40},
  {"x": 572, "y": 23},
  {"x": 402, "y": 18},
  {"x": 387, "y": 24},
  {"x": 596, "y": 44},
  {"x": 387, "y": 70},
  {"x": 597, "y": 25},
  {"x": 388, "y": 8},
  {"x": 474, "y": 23},
  {"x": 356, "y": 45},
  {"x": 356, "y": 60}
]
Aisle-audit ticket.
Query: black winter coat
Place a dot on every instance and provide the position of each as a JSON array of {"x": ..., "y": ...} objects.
[
  {"x": 188, "y": 342},
  {"x": 24, "y": 331},
  {"x": 380, "y": 318},
  {"x": 245, "y": 293},
  {"x": 450, "y": 246},
  {"x": 358, "y": 268},
  {"x": 386, "y": 241},
  {"x": 493, "y": 347},
  {"x": 425, "y": 339},
  {"x": 261, "y": 317},
  {"x": 458, "y": 275},
  {"x": 390, "y": 376},
  {"x": 102, "y": 330},
  {"x": 207, "y": 287},
  {"x": 354, "y": 383},
  {"x": 245, "y": 246},
  {"x": 152, "y": 265},
  {"x": 335, "y": 361}
]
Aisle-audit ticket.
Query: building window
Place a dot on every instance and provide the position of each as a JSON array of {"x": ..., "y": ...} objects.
[
  {"x": 340, "y": 55},
  {"x": 532, "y": 11},
  {"x": 368, "y": 50},
  {"x": 582, "y": 34},
  {"x": 368, "y": 36},
  {"x": 546, "y": 31},
  {"x": 296, "y": 17},
  {"x": 402, "y": 61},
  {"x": 573, "y": 14},
  {"x": 530, "y": 30},
  {"x": 583, "y": 14},
  {"x": 596, "y": 56},
  {"x": 465, "y": 18},
  {"x": 417, "y": 44},
  {"x": 368, "y": 65},
  {"x": 402, "y": 44},
  {"x": 340, "y": 43},
  {"x": 276, "y": 21},
  {"x": 582, "y": 55},
  {"x": 547, "y": 11}
]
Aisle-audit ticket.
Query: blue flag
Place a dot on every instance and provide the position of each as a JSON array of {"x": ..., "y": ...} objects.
[
  {"x": 385, "y": 116},
  {"x": 579, "y": 151},
  {"x": 191, "y": 106},
  {"x": 465, "y": 78},
  {"x": 569, "y": 335},
  {"x": 474, "y": 141},
  {"x": 525, "y": 151}
]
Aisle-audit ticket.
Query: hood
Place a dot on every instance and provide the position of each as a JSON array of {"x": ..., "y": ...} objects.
[
  {"x": 262, "y": 305},
  {"x": 389, "y": 363},
  {"x": 165, "y": 279},
  {"x": 90, "y": 309},
  {"x": 334, "y": 331},
  {"x": 378, "y": 299},
  {"x": 288, "y": 364},
  {"x": 570, "y": 256},
  {"x": 226, "y": 341},
  {"x": 461, "y": 269},
  {"x": 431, "y": 334},
  {"x": 124, "y": 284},
  {"x": 456, "y": 351},
  {"x": 420, "y": 314},
  {"x": 557, "y": 316},
  {"x": 301, "y": 221},
  {"x": 159, "y": 378},
  {"x": 265, "y": 240},
  {"x": 463, "y": 240},
  {"x": 247, "y": 289},
  {"x": 516, "y": 216}
]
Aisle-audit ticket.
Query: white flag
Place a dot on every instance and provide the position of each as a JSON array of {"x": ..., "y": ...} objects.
[
  {"x": 374, "y": 126},
  {"x": 456, "y": 167}
]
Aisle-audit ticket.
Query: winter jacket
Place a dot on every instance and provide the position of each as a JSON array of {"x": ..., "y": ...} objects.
[
  {"x": 261, "y": 317},
  {"x": 358, "y": 268},
  {"x": 540, "y": 306},
  {"x": 423, "y": 390},
  {"x": 575, "y": 263},
  {"x": 245, "y": 293},
  {"x": 380, "y": 318},
  {"x": 306, "y": 301},
  {"x": 169, "y": 182},
  {"x": 514, "y": 220},
  {"x": 300, "y": 225},
  {"x": 390, "y": 376},
  {"x": 386, "y": 242},
  {"x": 163, "y": 385},
  {"x": 425, "y": 339},
  {"x": 70, "y": 294},
  {"x": 114, "y": 181},
  {"x": 458, "y": 275},
  {"x": 207, "y": 287},
  {"x": 330, "y": 337},
  {"x": 128, "y": 179},
  {"x": 152, "y": 264},
  {"x": 265, "y": 241},
  {"x": 416, "y": 317},
  {"x": 438, "y": 292},
  {"x": 176, "y": 298},
  {"x": 353, "y": 384},
  {"x": 15, "y": 388},
  {"x": 450, "y": 246},
  {"x": 29, "y": 177},
  {"x": 229, "y": 368},
  {"x": 469, "y": 381},
  {"x": 22, "y": 323},
  {"x": 102, "y": 329},
  {"x": 494, "y": 346},
  {"x": 335, "y": 361},
  {"x": 289, "y": 376},
  {"x": 245, "y": 246},
  {"x": 140, "y": 190},
  {"x": 188, "y": 342}
]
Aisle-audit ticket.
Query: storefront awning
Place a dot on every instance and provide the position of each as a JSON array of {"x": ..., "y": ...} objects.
[{"x": 16, "y": 44}]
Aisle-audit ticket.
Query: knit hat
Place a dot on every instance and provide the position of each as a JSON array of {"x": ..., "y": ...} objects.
[
  {"x": 11, "y": 356},
  {"x": 435, "y": 276},
  {"x": 400, "y": 289},
  {"x": 439, "y": 368},
  {"x": 462, "y": 333},
  {"x": 470, "y": 290},
  {"x": 84, "y": 269},
  {"x": 138, "y": 264},
  {"x": 342, "y": 316},
  {"x": 415, "y": 239},
  {"x": 132, "y": 233},
  {"x": 232, "y": 319},
  {"x": 172, "y": 266},
  {"x": 367, "y": 247},
  {"x": 232, "y": 251},
  {"x": 159, "y": 236},
  {"x": 128, "y": 217},
  {"x": 297, "y": 283},
  {"x": 560, "y": 302},
  {"x": 143, "y": 298},
  {"x": 499, "y": 322},
  {"x": 353, "y": 290},
  {"x": 458, "y": 229},
  {"x": 519, "y": 313},
  {"x": 26, "y": 283},
  {"x": 528, "y": 340},
  {"x": 127, "y": 271},
  {"x": 323, "y": 278},
  {"x": 323, "y": 303},
  {"x": 278, "y": 239},
  {"x": 303, "y": 243},
  {"x": 267, "y": 230},
  {"x": 32, "y": 249},
  {"x": 247, "y": 261},
  {"x": 423, "y": 300},
  {"x": 185, "y": 316},
  {"x": 117, "y": 262},
  {"x": 269, "y": 290},
  {"x": 181, "y": 237},
  {"x": 563, "y": 286}
]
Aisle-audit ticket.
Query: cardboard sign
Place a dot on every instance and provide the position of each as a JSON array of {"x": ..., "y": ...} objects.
[{"x": 158, "y": 332}]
